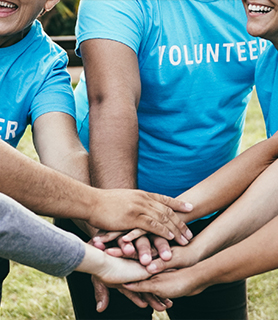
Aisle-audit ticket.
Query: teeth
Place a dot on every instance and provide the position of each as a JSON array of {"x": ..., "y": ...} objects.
[
  {"x": 6, "y": 5},
  {"x": 262, "y": 9}
]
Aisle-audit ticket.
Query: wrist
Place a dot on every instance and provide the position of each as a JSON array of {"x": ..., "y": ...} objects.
[
  {"x": 93, "y": 261},
  {"x": 200, "y": 278},
  {"x": 92, "y": 205}
]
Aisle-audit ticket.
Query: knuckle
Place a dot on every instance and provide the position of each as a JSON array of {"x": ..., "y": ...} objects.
[
  {"x": 182, "y": 226},
  {"x": 165, "y": 199}
]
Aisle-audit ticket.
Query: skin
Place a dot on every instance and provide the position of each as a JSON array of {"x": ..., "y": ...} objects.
[
  {"x": 252, "y": 256},
  {"x": 229, "y": 183},
  {"x": 261, "y": 23},
  {"x": 16, "y": 20},
  {"x": 109, "y": 64},
  {"x": 43, "y": 190},
  {"x": 114, "y": 89},
  {"x": 265, "y": 24},
  {"x": 241, "y": 180},
  {"x": 59, "y": 194},
  {"x": 255, "y": 254}
]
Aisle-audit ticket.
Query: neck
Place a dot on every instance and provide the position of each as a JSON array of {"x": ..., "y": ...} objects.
[{"x": 7, "y": 41}]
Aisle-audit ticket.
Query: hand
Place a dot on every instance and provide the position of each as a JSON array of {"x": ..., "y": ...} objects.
[
  {"x": 141, "y": 300},
  {"x": 123, "y": 209},
  {"x": 146, "y": 252},
  {"x": 142, "y": 249},
  {"x": 149, "y": 248},
  {"x": 181, "y": 257},
  {"x": 172, "y": 284}
]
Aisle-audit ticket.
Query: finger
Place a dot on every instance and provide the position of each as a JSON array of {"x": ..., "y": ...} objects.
[
  {"x": 143, "y": 248},
  {"x": 134, "y": 297},
  {"x": 126, "y": 247},
  {"x": 107, "y": 236},
  {"x": 147, "y": 286},
  {"x": 163, "y": 247},
  {"x": 118, "y": 253},
  {"x": 115, "y": 252},
  {"x": 154, "y": 302},
  {"x": 176, "y": 205},
  {"x": 134, "y": 234},
  {"x": 172, "y": 203},
  {"x": 99, "y": 245},
  {"x": 167, "y": 302},
  {"x": 163, "y": 223},
  {"x": 157, "y": 266},
  {"x": 101, "y": 295}
]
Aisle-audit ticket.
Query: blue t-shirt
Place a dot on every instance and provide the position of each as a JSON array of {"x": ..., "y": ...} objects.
[
  {"x": 197, "y": 65},
  {"x": 33, "y": 81},
  {"x": 266, "y": 81}
]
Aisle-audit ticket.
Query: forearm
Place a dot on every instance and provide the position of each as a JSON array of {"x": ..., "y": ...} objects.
[
  {"x": 32, "y": 241},
  {"x": 113, "y": 141},
  {"x": 224, "y": 186},
  {"x": 58, "y": 146},
  {"x": 257, "y": 206},
  {"x": 42, "y": 189},
  {"x": 114, "y": 88},
  {"x": 254, "y": 255}
]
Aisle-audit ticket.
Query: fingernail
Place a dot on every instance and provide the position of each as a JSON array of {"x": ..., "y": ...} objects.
[
  {"x": 96, "y": 239},
  {"x": 151, "y": 267},
  {"x": 99, "y": 305},
  {"x": 171, "y": 235},
  {"x": 166, "y": 255},
  {"x": 168, "y": 302},
  {"x": 188, "y": 206},
  {"x": 188, "y": 234},
  {"x": 145, "y": 258},
  {"x": 184, "y": 240}
]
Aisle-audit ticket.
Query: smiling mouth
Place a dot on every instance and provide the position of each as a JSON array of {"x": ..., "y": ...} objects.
[
  {"x": 257, "y": 9},
  {"x": 7, "y": 5}
]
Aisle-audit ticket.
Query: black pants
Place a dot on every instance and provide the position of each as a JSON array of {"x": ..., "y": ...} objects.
[
  {"x": 4, "y": 271},
  {"x": 219, "y": 302}
]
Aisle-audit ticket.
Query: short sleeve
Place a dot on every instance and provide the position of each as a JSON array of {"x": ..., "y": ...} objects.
[
  {"x": 121, "y": 21},
  {"x": 55, "y": 93}
]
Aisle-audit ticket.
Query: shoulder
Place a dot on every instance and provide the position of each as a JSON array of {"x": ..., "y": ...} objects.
[{"x": 48, "y": 53}]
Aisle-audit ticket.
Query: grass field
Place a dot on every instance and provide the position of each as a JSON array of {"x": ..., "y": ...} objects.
[{"x": 30, "y": 294}]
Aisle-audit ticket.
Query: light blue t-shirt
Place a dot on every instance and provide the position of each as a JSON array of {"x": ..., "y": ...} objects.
[
  {"x": 33, "y": 81},
  {"x": 266, "y": 81},
  {"x": 197, "y": 65}
]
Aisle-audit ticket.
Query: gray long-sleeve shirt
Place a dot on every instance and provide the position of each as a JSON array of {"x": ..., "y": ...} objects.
[{"x": 32, "y": 241}]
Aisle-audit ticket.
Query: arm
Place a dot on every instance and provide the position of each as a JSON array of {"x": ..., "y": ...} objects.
[
  {"x": 227, "y": 184},
  {"x": 114, "y": 88},
  {"x": 257, "y": 206},
  {"x": 32, "y": 241},
  {"x": 113, "y": 85},
  {"x": 48, "y": 192},
  {"x": 58, "y": 146}
]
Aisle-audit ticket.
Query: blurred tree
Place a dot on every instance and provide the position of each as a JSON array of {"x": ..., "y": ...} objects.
[{"x": 61, "y": 19}]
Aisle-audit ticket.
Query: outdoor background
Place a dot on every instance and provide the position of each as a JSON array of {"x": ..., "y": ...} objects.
[{"x": 30, "y": 294}]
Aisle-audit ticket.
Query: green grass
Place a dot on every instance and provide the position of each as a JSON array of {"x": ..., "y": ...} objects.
[{"x": 30, "y": 294}]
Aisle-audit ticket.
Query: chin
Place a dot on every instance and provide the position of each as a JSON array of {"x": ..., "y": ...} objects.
[{"x": 254, "y": 31}]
